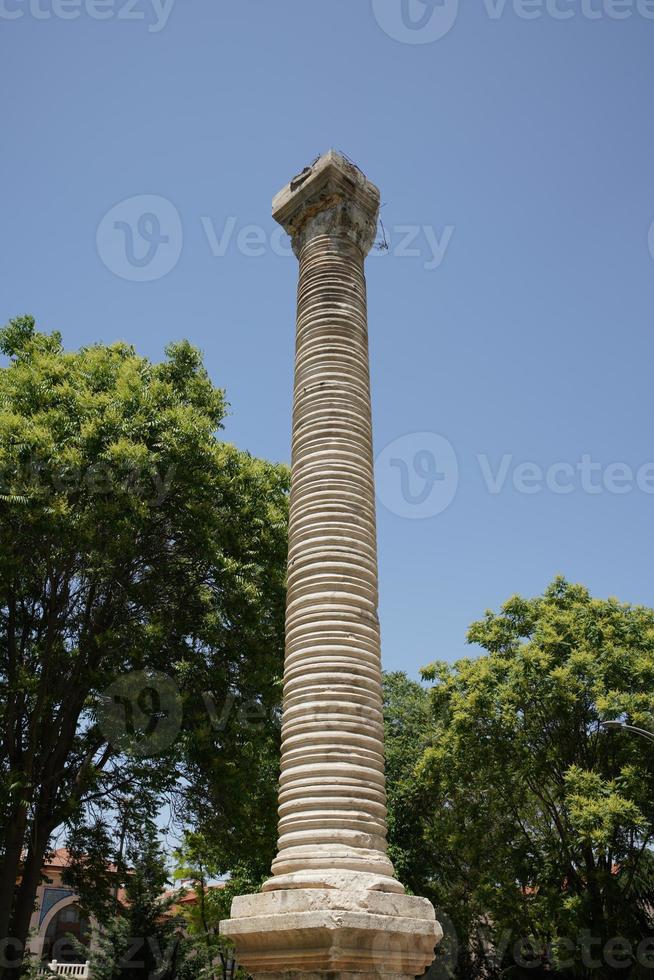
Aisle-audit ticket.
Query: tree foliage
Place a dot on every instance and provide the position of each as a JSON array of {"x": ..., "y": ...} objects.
[
  {"x": 131, "y": 540},
  {"x": 139, "y": 936},
  {"x": 540, "y": 821},
  {"x": 208, "y": 955}
]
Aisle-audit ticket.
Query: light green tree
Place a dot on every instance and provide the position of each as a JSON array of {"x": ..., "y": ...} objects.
[
  {"x": 131, "y": 539},
  {"x": 540, "y": 821}
]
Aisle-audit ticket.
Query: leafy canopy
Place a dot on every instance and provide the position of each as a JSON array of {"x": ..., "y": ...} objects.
[
  {"x": 539, "y": 819},
  {"x": 133, "y": 544}
]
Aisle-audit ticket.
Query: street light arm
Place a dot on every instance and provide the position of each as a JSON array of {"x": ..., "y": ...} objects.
[
  {"x": 640, "y": 731},
  {"x": 621, "y": 725}
]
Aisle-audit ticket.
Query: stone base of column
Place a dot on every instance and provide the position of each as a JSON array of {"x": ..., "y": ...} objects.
[
  {"x": 331, "y": 975},
  {"x": 334, "y": 934}
]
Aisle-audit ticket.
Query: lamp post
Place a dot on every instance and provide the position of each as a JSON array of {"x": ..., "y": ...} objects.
[{"x": 622, "y": 726}]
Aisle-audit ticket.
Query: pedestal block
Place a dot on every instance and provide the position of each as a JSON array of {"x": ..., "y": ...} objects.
[{"x": 321, "y": 933}]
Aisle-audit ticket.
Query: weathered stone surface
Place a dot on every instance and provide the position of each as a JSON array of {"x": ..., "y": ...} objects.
[
  {"x": 331, "y": 197},
  {"x": 328, "y": 940},
  {"x": 334, "y": 975},
  {"x": 313, "y": 900},
  {"x": 337, "y": 975},
  {"x": 333, "y": 907}
]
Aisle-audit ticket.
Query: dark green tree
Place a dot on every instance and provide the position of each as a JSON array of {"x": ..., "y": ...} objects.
[
  {"x": 133, "y": 544},
  {"x": 208, "y": 955},
  {"x": 407, "y": 731},
  {"x": 140, "y": 935},
  {"x": 155, "y": 943},
  {"x": 233, "y": 772},
  {"x": 422, "y": 868}
]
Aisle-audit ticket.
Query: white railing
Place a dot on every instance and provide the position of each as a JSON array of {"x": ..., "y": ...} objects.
[{"x": 80, "y": 970}]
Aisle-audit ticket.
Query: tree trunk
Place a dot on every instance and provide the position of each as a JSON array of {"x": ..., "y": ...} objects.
[
  {"x": 55, "y": 749},
  {"x": 26, "y": 897},
  {"x": 10, "y": 870}
]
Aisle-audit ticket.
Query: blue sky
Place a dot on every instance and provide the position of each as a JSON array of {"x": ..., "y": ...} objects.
[{"x": 510, "y": 318}]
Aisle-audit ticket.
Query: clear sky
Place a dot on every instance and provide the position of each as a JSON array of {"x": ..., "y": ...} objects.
[{"x": 510, "y": 318}]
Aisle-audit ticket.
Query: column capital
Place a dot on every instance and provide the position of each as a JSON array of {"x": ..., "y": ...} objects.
[{"x": 331, "y": 197}]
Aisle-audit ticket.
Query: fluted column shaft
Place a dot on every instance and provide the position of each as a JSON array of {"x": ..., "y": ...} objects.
[
  {"x": 333, "y": 907},
  {"x": 332, "y": 796}
]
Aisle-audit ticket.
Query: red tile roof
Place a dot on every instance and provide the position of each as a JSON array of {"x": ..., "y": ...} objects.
[{"x": 60, "y": 858}]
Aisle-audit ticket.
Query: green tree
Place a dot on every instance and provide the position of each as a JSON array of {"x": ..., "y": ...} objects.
[
  {"x": 102, "y": 843},
  {"x": 140, "y": 937},
  {"x": 131, "y": 539},
  {"x": 208, "y": 955},
  {"x": 232, "y": 773},
  {"x": 408, "y": 732},
  {"x": 540, "y": 820},
  {"x": 155, "y": 943}
]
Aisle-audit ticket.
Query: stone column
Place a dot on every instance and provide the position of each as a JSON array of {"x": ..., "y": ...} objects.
[{"x": 333, "y": 907}]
